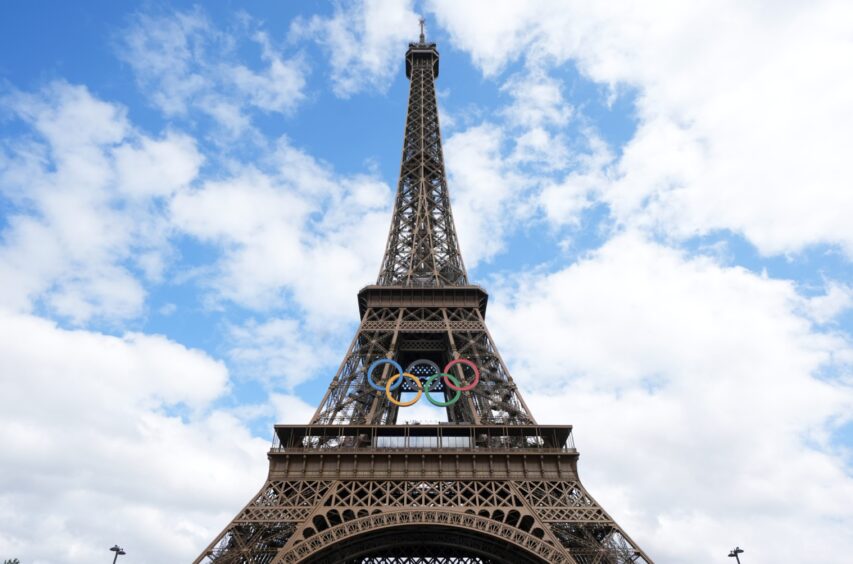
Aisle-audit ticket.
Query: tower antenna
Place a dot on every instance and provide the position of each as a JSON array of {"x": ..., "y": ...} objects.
[{"x": 422, "y": 22}]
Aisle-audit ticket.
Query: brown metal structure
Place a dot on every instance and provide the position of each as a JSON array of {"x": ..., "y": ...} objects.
[{"x": 490, "y": 485}]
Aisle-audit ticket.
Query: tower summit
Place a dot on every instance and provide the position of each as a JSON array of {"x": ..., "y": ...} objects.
[
  {"x": 490, "y": 485},
  {"x": 422, "y": 246}
]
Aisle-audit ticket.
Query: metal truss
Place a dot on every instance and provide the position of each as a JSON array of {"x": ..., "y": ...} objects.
[
  {"x": 439, "y": 334},
  {"x": 490, "y": 486},
  {"x": 422, "y": 246},
  {"x": 546, "y": 521}
]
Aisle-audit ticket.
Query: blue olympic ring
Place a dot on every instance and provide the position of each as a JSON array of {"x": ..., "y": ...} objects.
[{"x": 376, "y": 363}]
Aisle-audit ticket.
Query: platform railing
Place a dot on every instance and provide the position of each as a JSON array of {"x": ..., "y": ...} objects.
[{"x": 540, "y": 438}]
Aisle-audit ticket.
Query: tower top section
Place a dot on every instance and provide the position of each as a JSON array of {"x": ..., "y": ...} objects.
[
  {"x": 422, "y": 50},
  {"x": 422, "y": 249}
]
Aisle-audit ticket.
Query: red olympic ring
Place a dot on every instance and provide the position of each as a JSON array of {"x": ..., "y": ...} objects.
[{"x": 466, "y": 362}]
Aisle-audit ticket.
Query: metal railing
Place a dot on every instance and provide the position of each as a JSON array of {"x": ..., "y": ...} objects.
[{"x": 422, "y": 436}]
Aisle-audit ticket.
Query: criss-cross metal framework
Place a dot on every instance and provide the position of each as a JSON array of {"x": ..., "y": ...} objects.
[
  {"x": 436, "y": 324},
  {"x": 490, "y": 486},
  {"x": 422, "y": 246}
]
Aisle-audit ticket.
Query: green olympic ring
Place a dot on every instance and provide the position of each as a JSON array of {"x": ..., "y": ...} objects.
[{"x": 428, "y": 385}]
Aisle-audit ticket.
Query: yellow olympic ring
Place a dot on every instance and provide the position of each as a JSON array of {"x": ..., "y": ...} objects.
[{"x": 394, "y": 378}]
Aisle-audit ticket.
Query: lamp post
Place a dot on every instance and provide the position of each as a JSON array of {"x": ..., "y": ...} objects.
[
  {"x": 119, "y": 551},
  {"x": 734, "y": 553}
]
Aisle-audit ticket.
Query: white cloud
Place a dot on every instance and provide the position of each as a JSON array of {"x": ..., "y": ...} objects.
[
  {"x": 277, "y": 89},
  {"x": 85, "y": 186},
  {"x": 291, "y": 409},
  {"x": 163, "y": 51},
  {"x": 485, "y": 190},
  {"x": 184, "y": 63},
  {"x": 562, "y": 199},
  {"x": 364, "y": 42},
  {"x": 96, "y": 204},
  {"x": 703, "y": 402},
  {"x": 537, "y": 100},
  {"x": 827, "y": 307},
  {"x": 156, "y": 167},
  {"x": 541, "y": 148},
  {"x": 495, "y": 40},
  {"x": 742, "y": 108},
  {"x": 281, "y": 351},
  {"x": 297, "y": 234},
  {"x": 92, "y": 455},
  {"x": 499, "y": 175}
]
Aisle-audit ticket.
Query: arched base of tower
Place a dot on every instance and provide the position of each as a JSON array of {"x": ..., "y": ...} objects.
[
  {"x": 419, "y": 544},
  {"x": 424, "y": 535}
]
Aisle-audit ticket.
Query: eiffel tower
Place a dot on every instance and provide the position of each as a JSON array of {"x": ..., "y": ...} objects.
[{"x": 488, "y": 486}]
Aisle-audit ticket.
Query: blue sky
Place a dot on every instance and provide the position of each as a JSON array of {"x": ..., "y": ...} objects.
[{"x": 658, "y": 202}]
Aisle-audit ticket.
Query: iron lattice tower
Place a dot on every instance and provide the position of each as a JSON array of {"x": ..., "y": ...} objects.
[{"x": 488, "y": 486}]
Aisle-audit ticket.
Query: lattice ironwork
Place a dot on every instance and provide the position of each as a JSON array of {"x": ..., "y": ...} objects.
[
  {"x": 422, "y": 246},
  {"x": 289, "y": 521},
  {"x": 489, "y": 487},
  {"x": 442, "y": 333}
]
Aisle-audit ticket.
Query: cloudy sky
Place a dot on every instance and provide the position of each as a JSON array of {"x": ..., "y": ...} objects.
[{"x": 657, "y": 195}]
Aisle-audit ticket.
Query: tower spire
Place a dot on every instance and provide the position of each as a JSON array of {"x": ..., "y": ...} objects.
[
  {"x": 422, "y": 308},
  {"x": 423, "y": 38},
  {"x": 422, "y": 249}
]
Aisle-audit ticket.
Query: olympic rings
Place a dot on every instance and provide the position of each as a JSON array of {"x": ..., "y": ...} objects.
[
  {"x": 415, "y": 371},
  {"x": 393, "y": 363},
  {"x": 400, "y": 376},
  {"x": 428, "y": 385},
  {"x": 456, "y": 387}
]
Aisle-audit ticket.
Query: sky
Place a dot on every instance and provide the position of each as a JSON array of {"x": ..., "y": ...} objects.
[{"x": 656, "y": 195}]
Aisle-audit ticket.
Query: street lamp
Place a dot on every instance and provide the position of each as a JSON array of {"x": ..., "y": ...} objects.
[
  {"x": 118, "y": 550},
  {"x": 733, "y": 554}
]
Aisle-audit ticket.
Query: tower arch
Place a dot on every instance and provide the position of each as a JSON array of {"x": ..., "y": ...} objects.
[{"x": 417, "y": 535}]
